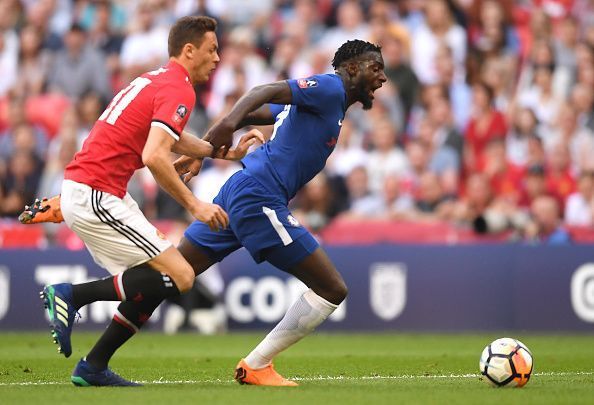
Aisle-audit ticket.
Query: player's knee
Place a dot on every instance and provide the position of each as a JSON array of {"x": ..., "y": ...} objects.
[{"x": 335, "y": 293}]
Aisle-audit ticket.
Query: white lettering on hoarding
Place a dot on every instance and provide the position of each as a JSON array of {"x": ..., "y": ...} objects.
[
  {"x": 582, "y": 292},
  {"x": 4, "y": 291}
]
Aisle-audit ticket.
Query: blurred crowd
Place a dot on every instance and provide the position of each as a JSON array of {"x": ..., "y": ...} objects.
[{"x": 486, "y": 121}]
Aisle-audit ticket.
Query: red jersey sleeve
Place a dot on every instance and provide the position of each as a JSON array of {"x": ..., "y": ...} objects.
[{"x": 172, "y": 108}]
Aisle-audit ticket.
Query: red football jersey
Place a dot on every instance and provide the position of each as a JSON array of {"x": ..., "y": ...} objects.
[{"x": 113, "y": 150}]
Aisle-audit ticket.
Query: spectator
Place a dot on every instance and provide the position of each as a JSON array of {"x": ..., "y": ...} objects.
[
  {"x": 540, "y": 97},
  {"x": 79, "y": 68},
  {"x": 458, "y": 91},
  {"x": 443, "y": 159},
  {"x": 9, "y": 52},
  {"x": 36, "y": 138},
  {"x": 241, "y": 68},
  {"x": 19, "y": 187},
  {"x": 350, "y": 25},
  {"x": 104, "y": 23},
  {"x": 430, "y": 198},
  {"x": 525, "y": 126},
  {"x": 579, "y": 209},
  {"x": 396, "y": 53},
  {"x": 545, "y": 226},
  {"x": 582, "y": 100},
  {"x": 534, "y": 185},
  {"x": 485, "y": 125},
  {"x": 39, "y": 15},
  {"x": 579, "y": 140},
  {"x": 438, "y": 27},
  {"x": 385, "y": 158},
  {"x": 145, "y": 47},
  {"x": 560, "y": 177},
  {"x": 34, "y": 64},
  {"x": 362, "y": 203}
]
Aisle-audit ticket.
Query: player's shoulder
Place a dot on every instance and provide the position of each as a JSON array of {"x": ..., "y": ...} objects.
[
  {"x": 171, "y": 83},
  {"x": 322, "y": 85},
  {"x": 323, "y": 81}
]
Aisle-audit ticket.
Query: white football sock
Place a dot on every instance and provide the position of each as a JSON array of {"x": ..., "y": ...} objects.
[{"x": 301, "y": 319}]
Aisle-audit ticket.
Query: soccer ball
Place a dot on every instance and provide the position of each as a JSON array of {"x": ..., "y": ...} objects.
[{"x": 506, "y": 362}]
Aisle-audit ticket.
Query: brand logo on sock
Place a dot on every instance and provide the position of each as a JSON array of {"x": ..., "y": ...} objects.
[{"x": 167, "y": 280}]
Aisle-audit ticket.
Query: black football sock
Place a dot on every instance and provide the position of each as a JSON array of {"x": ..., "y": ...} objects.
[
  {"x": 128, "y": 320},
  {"x": 135, "y": 284}
]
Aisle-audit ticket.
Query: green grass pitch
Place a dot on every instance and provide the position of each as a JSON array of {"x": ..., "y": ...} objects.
[{"x": 331, "y": 368}]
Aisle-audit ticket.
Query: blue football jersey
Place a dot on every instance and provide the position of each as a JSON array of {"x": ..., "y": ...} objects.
[{"x": 305, "y": 134}]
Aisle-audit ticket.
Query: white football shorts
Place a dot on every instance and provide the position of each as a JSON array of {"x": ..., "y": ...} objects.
[{"x": 114, "y": 230}]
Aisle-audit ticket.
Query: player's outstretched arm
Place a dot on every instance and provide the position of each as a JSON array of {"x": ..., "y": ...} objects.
[
  {"x": 188, "y": 167},
  {"x": 221, "y": 134},
  {"x": 192, "y": 146},
  {"x": 156, "y": 156}
]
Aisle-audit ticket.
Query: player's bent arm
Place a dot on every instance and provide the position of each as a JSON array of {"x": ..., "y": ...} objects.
[
  {"x": 192, "y": 146},
  {"x": 221, "y": 134},
  {"x": 156, "y": 156},
  {"x": 275, "y": 93},
  {"x": 261, "y": 116}
]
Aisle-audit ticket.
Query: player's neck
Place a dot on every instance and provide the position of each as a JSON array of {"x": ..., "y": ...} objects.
[{"x": 185, "y": 67}]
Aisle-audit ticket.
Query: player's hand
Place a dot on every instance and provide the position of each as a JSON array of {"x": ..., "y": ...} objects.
[
  {"x": 221, "y": 135},
  {"x": 187, "y": 167},
  {"x": 246, "y": 141},
  {"x": 211, "y": 214}
]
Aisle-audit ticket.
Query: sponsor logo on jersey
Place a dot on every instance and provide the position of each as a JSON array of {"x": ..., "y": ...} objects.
[
  {"x": 180, "y": 113},
  {"x": 293, "y": 221},
  {"x": 332, "y": 142},
  {"x": 306, "y": 83}
]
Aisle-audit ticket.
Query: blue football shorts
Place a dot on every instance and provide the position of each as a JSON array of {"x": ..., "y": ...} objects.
[{"x": 259, "y": 220}]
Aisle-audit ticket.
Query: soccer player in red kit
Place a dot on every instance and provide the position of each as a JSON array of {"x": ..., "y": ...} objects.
[{"x": 140, "y": 127}]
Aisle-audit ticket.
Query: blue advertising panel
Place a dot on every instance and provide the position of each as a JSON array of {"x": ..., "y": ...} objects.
[{"x": 391, "y": 287}]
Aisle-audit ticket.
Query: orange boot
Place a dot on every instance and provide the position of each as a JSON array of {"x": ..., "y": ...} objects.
[
  {"x": 42, "y": 211},
  {"x": 263, "y": 376}
]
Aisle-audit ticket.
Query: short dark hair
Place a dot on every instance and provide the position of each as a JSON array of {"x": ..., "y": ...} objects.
[
  {"x": 353, "y": 49},
  {"x": 190, "y": 30}
]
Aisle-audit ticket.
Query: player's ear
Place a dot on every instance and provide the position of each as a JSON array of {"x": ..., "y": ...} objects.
[
  {"x": 352, "y": 68},
  {"x": 188, "y": 50}
]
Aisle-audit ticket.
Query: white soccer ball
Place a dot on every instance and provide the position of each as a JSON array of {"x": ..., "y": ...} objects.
[{"x": 506, "y": 362}]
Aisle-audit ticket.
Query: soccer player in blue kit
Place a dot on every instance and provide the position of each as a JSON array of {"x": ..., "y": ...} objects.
[{"x": 307, "y": 115}]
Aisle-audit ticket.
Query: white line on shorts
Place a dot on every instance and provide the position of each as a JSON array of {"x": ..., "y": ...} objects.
[{"x": 316, "y": 378}]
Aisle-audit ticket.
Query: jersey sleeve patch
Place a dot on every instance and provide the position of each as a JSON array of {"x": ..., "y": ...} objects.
[
  {"x": 307, "y": 83},
  {"x": 180, "y": 113}
]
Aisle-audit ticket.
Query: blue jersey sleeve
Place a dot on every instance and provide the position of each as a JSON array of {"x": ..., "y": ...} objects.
[
  {"x": 275, "y": 109},
  {"x": 316, "y": 92}
]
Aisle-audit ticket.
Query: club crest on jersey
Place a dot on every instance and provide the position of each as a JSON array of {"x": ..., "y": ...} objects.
[
  {"x": 292, "y": 220},
  {"x": 306, "y": 83},
  {"x": 180, "y": 113}
]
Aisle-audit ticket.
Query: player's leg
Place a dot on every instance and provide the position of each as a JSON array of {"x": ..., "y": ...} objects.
[
  {"x": 133, "y": 314},
  {"x": 327, "y": 291},
  {"x": 127, "y": 321},
  {"x": 119, "y": 238}
]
